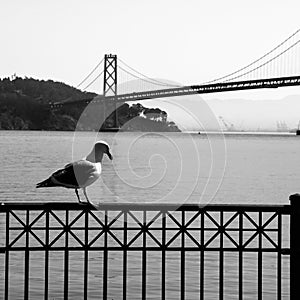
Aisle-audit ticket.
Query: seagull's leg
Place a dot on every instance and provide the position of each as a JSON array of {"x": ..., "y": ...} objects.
[
  {"x": 76, "y": 191},
  {"x": 85, "y": 194}
]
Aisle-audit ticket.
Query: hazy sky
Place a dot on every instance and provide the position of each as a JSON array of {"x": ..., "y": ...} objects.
[{"x": 185, "y": 41}]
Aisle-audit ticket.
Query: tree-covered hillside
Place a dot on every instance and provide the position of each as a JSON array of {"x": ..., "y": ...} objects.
[{"x": 24, "y": 105}]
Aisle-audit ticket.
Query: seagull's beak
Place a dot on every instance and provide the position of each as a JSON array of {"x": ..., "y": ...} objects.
[{"x": 109, "y": 155}]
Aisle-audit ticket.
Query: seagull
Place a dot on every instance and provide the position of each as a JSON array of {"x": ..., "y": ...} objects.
[{"x": 81, "y": 173}]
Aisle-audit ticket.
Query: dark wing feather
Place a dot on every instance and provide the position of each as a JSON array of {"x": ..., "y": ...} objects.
[
  {"x": 73, "y": 174},
  {"x": 65, "y": 177}
]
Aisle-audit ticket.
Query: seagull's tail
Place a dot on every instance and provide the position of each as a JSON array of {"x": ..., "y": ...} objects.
[{"x": 46, "y": 183}]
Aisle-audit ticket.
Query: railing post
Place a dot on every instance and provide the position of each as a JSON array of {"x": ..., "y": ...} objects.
[{"x": 295, "y": 247}]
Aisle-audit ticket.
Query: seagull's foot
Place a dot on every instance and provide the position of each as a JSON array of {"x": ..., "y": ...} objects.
[
  {"x": 90, "y": 203},
  {"x": 82, "y": 202},
  {"x": 78, "y": 198},
  {"x": 85, "y": 203},
  {"x": 86, "y": 197}
]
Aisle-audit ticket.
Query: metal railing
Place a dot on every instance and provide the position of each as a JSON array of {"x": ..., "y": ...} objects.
[{"x": 149, "y": 251}]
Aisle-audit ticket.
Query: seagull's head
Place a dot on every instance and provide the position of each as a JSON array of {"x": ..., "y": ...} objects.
[
  {"x": 100, "y": 148},
  {"x": 97, "y": 152}
]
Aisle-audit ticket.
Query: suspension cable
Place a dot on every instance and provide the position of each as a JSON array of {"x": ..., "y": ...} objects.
[
  {"x": 145, "y": 80},
  {"x": 267, "y": 62},
  {"x": 93, "y": 80},
  {"x": 257, "y": 60},
  {"x": 90, "y": 73},
  {"x": 154, "y": 81}
]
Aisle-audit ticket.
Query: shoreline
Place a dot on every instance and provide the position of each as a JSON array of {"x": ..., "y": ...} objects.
[{"x": 273, "y": 133}]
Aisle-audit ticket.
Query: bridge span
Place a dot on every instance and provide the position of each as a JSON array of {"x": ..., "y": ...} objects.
[
  {"x": 279, "y": 67},
  {"x": 189, "y": 90}
]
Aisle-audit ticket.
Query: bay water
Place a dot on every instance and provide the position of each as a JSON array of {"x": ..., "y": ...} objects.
[{"x": 231, "y": 168}]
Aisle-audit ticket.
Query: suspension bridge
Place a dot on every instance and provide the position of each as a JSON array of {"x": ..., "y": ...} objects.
[{"x": 280, "y": 67}]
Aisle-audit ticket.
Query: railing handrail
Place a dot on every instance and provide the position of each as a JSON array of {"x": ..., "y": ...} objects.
[{"x": 6, "y": 206}]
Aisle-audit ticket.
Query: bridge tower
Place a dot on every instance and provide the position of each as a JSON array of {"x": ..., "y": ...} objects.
[{"x": 110, "y": 81}]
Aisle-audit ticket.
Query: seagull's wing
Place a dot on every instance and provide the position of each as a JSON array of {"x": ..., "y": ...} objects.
[
  {"x": 65, "y": 177},
  {"x": 74, "y": 174}
]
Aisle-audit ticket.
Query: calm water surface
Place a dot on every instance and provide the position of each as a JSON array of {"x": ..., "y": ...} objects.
[
  {"x": 152, "y": 167},
  {"x": 168, "y": 167}
]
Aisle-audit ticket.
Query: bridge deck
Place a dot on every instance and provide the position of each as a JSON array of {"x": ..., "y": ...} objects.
[{"x": 190, "y": 90}]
